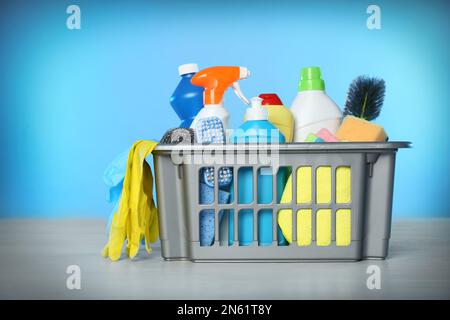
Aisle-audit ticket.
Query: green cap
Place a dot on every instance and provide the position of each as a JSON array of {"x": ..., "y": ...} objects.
[{"x": 311, "y": 79}]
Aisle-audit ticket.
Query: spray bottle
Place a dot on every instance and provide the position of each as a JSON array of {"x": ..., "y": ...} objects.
[{"x": 216, "y": 81}]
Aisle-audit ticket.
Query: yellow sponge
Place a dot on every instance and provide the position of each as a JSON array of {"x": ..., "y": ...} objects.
[
  {"x": 343, "y": 227},
  {"x": 360, "y": 130}
]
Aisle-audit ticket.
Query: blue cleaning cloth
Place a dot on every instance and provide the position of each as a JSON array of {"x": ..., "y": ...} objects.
[
  {"x": 207, "y": 216},
  {"x": 113, "y": 178},
  {"x": 114, "y": 175}
]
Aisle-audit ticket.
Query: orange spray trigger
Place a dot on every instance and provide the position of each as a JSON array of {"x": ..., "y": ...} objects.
[{"x": 216, "y": 81}]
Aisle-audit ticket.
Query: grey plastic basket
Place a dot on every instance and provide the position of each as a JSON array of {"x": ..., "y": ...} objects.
[{"x": 372, "y": 179}]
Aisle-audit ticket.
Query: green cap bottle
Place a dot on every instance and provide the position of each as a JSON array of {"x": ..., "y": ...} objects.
[{"x": 311, "y": 79}]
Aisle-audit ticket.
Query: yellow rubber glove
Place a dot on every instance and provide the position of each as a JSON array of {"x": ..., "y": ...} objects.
[{"x": 137, "y": 216}]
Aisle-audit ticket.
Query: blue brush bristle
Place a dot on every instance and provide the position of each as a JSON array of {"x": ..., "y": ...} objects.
[
  {"x": 225, "y": 176},
  {"x": 210, "y": 130}
]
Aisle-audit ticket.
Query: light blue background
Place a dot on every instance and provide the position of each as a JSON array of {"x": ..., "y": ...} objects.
[{"x": 73, "y": 99}]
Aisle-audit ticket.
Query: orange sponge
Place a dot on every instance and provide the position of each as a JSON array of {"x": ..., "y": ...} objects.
[{"x": 357, "y": 129}]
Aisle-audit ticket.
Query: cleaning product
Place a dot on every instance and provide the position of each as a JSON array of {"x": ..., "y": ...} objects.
[
  {"x": 312, "y": 108},
  {"x": 215, "y": 80},
  {"x": 136, "y": 217},
  {"x": 357, "y": 129},
  {"x": 210, "y": 126},
  {"x": 207, "y": 131},
  {"x": 323, "y": 196},
  {"x": 179, "y": 136},
  {"x": 280, "y": 116},
  {"x": 113, "y": 178},
  {"x": 313, "y": 138},
  {"x": 256, "y": 129},
  {"x": 207, "y": 216},
  {"x": 364, "y": 101},
  {"x": 187, "y": 99},
  {"x": 326, "y": 135},
  {"x": 211, "y": 130}
]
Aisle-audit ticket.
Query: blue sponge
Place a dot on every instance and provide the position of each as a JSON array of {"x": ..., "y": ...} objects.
[{"x": 207, "y": 216}]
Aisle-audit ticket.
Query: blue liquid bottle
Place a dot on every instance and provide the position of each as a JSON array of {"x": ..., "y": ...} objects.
[
  {"x": 187, "y": 99},
  {"x": 257, "y": 129}
]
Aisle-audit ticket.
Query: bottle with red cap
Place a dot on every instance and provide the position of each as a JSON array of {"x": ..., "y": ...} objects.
[{"x": 280, "y": 116}]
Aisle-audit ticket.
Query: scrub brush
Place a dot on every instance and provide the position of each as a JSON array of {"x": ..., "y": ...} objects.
[
  {"x": 364, "y": 101},
  {"x": 207, "y": 131},
  {"x": 365, "y": 98}
]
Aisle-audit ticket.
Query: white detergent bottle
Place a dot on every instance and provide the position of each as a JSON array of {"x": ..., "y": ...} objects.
[{"x": 312, "y": 108}]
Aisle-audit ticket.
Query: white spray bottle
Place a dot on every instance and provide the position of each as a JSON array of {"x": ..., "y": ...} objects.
[{"x": 216, "y": 80}]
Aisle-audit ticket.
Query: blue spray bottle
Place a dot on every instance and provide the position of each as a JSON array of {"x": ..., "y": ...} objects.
[
  {"x": 257, "y": 129},
  {"x": 187, "y": 99}
]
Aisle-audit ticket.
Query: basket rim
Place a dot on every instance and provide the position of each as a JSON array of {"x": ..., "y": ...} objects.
[{"x": 291, "y": 147}]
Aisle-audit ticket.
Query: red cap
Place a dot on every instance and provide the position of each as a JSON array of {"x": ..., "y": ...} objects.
[{"x": 270, "y": 99}]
